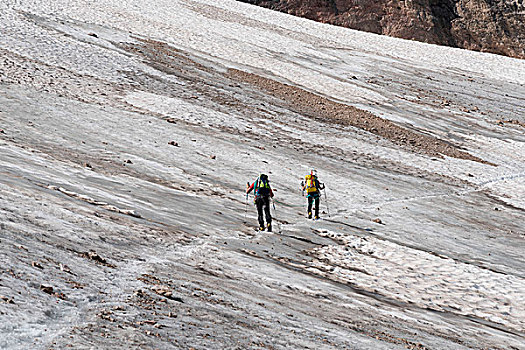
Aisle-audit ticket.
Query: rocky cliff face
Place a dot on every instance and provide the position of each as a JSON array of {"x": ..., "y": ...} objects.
[{"x": 496, "y": 26}]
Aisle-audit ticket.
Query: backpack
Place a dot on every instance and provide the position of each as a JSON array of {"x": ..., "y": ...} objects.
[
  {"x": 311, "y": 183},
  {"x": 262, "y": 186}
]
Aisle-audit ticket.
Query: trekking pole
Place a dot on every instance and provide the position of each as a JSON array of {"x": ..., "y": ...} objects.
[
  {"x": 246, "y": 202},
  {"x": 246, "y": 207},
  {"x": 302, "y": 193},
  {"x": 274, "y": 215},
  {"x": 326, "y": 199}
]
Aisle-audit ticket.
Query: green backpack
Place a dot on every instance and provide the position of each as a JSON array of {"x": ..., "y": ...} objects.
[{"x": 262, "y": 186}]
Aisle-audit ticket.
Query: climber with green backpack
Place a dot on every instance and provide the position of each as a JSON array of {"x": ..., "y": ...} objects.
[
  {"x": 263, "y": 192},
  {"x": 313, "y": 188}
]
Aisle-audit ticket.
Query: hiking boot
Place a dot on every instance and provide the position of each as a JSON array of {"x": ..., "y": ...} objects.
[
  {"x": 309, "y": 215},
  {"x": 261, "y": 228},
  {"x": 316, "y": 217},
  {"x": 269, "y": 227}
]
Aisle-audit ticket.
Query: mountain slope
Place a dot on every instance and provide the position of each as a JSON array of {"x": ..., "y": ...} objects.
[{"x": 129, "y": 131}]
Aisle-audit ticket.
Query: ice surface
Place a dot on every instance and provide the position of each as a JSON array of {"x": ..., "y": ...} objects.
[{"x": 125, "y": 149}]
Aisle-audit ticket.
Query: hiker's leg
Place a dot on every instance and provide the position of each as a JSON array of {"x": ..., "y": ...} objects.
[
  {"x": 310, "y": 201},
  {"x": 317, "y": 207},
  {"x": 267, "y": 210},
  {"x": 259, "y": 203}
]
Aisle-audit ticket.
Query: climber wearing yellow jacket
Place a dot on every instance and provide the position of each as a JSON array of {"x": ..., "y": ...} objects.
[{"x": 313, "y": 188}]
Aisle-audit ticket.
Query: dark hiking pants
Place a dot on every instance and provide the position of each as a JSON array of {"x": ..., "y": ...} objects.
[
  {"x": 311, "y": 200},
  {"x": 263, "y": 209}
]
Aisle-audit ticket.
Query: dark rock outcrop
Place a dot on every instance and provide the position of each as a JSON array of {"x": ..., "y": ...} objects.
[{"x": 496, "y": 26}]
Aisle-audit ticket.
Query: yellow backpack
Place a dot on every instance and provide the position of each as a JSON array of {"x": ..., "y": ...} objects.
[{"x": 310, "y": 183}]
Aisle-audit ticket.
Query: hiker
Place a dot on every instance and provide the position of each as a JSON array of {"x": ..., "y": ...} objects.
[
  {"x": 262, "y": 192},
  {"x": 313, "y": 192}
]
